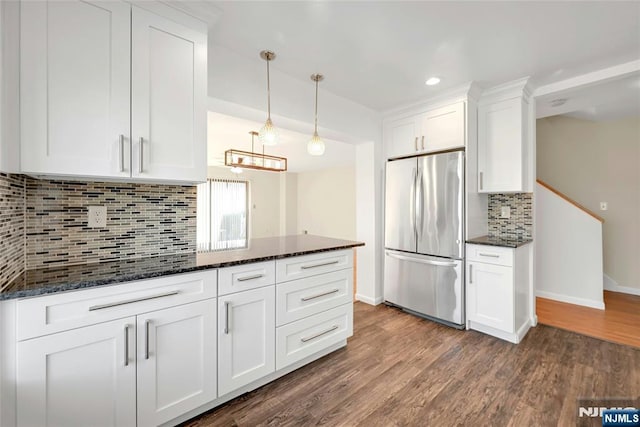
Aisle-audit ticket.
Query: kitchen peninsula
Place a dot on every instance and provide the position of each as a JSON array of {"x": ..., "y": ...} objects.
[{"x": 163, "y": 339}]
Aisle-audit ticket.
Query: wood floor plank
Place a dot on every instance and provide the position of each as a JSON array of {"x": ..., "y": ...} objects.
[
  {"x": 400, "y": 370},
  {"x": 619, "y": 322}
]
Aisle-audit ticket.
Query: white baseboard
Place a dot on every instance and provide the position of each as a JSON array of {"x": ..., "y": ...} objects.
[
  {"x": 571, "y": 300},
  {"x": 369, "y": 300},
  {"x": 612, "y": 285}
]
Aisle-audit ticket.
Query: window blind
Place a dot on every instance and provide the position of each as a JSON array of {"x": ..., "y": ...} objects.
[{"x": 222, "y": 215}]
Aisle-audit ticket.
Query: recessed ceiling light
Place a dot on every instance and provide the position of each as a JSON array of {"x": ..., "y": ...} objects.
[{"x": 432, "y": 81}]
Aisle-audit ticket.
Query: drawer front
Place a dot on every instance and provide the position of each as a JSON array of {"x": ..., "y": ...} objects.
[
  {"x": 490, "y": 254},
  {"x": 245, "y": 277},
  {"x": 302, "y": 298},
  {"x": 305, "y": 337},
  {"x": 45, "y": 315},
  {"x": 311, "y": 265}
]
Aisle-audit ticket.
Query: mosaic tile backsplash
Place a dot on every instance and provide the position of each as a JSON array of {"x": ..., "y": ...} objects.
[
  {"x": 519, "y": 226},
  {"x": 12, "y": 204},
  {"x": 142, "y": 220}
]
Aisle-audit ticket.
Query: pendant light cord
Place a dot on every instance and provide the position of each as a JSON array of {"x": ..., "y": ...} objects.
[
  {"x": 316, "y": 124},
  {"x": 268, "y": 90}
]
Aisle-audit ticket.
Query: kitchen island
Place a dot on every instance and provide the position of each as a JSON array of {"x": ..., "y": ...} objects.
[{"x": 156, "y": 341}]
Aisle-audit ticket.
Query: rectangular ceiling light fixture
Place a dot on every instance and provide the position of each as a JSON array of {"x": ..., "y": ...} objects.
[{"x": 247, "y": 160}]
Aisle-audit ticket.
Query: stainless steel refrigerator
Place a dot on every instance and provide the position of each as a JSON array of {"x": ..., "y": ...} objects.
[{"x": 424, "y": 219}]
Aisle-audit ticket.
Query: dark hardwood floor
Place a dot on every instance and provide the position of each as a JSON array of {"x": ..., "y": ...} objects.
[{"x": 400, "y": 370}]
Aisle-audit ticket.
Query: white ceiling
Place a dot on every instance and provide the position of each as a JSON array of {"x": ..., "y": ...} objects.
[
  {"x": 225, "y": 132},
  {"x": 380, "y": 53},
  {"x": 611, "y": 100}
]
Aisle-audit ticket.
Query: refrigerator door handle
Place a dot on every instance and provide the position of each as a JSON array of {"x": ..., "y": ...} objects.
[
  {"x": 420, "y": 260},
  {"x": 419, "y": 204},
  {"x": 412, "y": 203}
]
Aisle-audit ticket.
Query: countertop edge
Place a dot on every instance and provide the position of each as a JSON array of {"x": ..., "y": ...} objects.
[
  {"x": 79, "y": 285},
  {"x": 503, "y": 244}
]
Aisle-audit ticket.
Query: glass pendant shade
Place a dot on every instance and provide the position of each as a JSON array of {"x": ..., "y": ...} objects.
[
  {"x": 236, "y": 170},
  {"x": 268, "y": 134},
  {"x": 315, "y": 146}
]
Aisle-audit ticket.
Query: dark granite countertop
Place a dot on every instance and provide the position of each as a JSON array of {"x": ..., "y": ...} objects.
[
  {"x": 499, "y": 241},
  {"x": 59, "y": 279}
]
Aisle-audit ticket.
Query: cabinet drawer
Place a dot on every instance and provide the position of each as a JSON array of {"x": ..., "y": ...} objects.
[
  {"x": 305, "y": 337},
  {"x": 46, "y": 315},
  {"x": 247, "y": 276},
  {"x": 312, "y": 265},
  {"x": 490, "y": 254},
  {"x": 298, "y": 299}
]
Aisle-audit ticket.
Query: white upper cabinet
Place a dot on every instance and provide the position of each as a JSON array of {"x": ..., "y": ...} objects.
[
  {"x": 112, "y": 91},
  {"x": 74, "y": 83},
  {"x": 443, "y": 128},
  {"x": 503, "y": 142},
  {"x": 169, "y": 89},
  {"x": 436, "y": 130},
  {"x": 401, "y": 137}
]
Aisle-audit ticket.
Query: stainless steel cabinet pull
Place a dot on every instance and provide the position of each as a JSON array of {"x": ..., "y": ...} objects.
[
  {"x": 423, "y": 142},
  {"x": 489, "y": 255},
  {"x": 226, "y": 317},
  {"x": 319, "y": 334},
  {"x": 244, "y": 279},
  {"x": 126, "y": 345},
  {"x": 121, "y": 142},
  {"x": 416, "y": 143},
  {"x": 305, "y": 267},
  {"x": 141, "y": 165},
  {"x": 319, "y": 295},
  {"x": 146, "y": 339},
  {"x": 481, "y": 180},
  {"x": 470, "y": 273},
  {"x": 131, "y": 301}
]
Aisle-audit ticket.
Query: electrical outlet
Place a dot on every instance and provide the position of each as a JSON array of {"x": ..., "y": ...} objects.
[
  {"x": 603, "y": 206},
  {"x": 97, "y": 216},
  {"x": 505, "y": 212}
]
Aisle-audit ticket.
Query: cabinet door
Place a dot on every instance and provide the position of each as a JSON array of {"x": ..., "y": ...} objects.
[
  {"x": 74, "y": 88},
  {"x": 401, "y": 137},
  {"x": 246, "y": 338},
  {"x": 490, "y": 295},
  {"x": 500, "y": 161},
  {"x": 168, "y": 96},
  {"x": 176, "y": 361},
  {"x": 443, "y": 128},
  {"x": 82, "y": 377}
]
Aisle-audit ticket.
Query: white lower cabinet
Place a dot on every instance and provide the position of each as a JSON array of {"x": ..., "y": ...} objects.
[
  {"x": 498, "y": 291},
  {"x": 176, "y": 355},
  {"x": 302, "y": 338},
  {"x": 490, "y": 295},
  {"x": 246, "y": 337},
  {"x": 81, "y": 377}
]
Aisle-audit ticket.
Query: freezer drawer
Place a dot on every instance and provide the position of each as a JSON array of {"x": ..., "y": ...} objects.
[{"x": 428, "y": 285}]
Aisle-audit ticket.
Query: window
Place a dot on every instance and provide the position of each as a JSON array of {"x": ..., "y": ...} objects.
[{"x": 222, "y": 214}]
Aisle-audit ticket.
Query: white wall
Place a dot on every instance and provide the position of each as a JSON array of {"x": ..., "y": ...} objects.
[
  {"x": 264, "y": 188},
  {"x": 593, "y": 162},
  {"x": 326, "y": 202},
  {"x": 568, "y": 252}
]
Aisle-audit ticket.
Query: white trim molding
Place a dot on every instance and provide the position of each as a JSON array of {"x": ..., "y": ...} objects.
[
  {"x": 571, "y": 300},
  {"x": 368, "y": 300},
  {"x": 613, "y": 286}
]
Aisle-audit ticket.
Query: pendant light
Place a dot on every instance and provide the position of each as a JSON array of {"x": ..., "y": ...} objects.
[
  {"x": 315, "y": 146},
  {"x": 239, "y": 159},
  {"x": 268, "y": 134}
]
